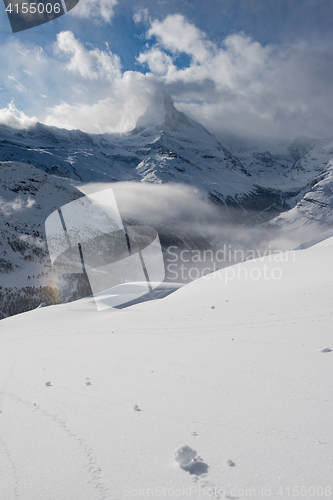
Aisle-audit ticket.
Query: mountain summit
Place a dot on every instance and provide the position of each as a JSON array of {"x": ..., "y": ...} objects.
[{"x": 161, "y": 114}]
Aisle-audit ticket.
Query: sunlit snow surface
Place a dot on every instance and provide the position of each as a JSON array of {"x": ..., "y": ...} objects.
[{"x": 241, "y": 372}]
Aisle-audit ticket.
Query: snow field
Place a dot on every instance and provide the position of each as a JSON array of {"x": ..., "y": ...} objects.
[{"x": 247, "y": 382}]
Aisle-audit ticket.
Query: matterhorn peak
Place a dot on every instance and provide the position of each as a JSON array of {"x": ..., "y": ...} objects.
[{"x": 161, "y": 114}]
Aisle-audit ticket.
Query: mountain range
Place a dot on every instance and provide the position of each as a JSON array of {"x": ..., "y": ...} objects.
[{"x": 42, "y": 168}]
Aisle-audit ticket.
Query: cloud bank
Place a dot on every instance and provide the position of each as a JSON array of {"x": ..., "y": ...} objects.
[
  {"x": 239, "y": 86},
  {"x": 184, "y": 209}
]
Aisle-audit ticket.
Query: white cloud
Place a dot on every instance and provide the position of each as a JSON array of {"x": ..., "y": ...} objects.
[
  {"x": 176, "y": 34},
  {"x": 19, "y": 204},
  {"x": 90, "y": 64},
  {"x": 66, "y": 84},
  {"x": 239, "y": 86},
  {"x": 32, "y": 72},
  {"x": 141, "y": 15},
  {"x": 131, "y": 93},
  {"x": 159, "y": 62},
  {"x": 185, "y": 207},
  {"x": 91, "y": 118},
  {"x": 242, "y": 86},
  {"x": 14, "y": 118},
  {"x": 96, "y": 10}
]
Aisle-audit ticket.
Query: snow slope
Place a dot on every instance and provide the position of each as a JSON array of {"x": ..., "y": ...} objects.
[{"x": 237, "y": 365}]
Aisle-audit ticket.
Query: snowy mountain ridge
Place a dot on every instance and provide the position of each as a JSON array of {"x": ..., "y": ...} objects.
[
  {"x": 314, "y": 211},
  {"x": 168, "y": 147},
  {"x": 165, "y": 146}
]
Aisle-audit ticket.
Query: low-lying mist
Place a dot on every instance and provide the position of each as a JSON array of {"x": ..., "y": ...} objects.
[{"x": 197, "y": 235}]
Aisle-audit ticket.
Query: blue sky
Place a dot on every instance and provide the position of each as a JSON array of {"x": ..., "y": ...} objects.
[{"x": 260, "y": 67}]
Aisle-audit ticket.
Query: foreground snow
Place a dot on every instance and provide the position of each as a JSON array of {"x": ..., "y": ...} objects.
[{"x": 230, "y": 372}]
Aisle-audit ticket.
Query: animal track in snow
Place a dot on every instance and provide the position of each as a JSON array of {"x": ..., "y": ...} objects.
[
  {"x": 94, "y": 473},
  {"x": 230, "y": 463},
  {"x": 324, "y": 350},
  {"x": 190, "y": 461}
]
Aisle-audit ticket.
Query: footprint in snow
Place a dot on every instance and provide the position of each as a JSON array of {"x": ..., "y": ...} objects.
[
  {"x": 190, "y": 461},
  {"x": 48, "y": 384},
  {"x": 230, "y": 463}
]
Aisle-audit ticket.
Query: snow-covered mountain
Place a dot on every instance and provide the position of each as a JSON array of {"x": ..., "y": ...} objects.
[
  {"x": 165, "y": 147},
  {"x": 313, "y": 213},
  {"x": 221, "y": 390},
  {"x": 43, "y": 167},
  {"x": 301, "y": 171},
  {"x": 168, "y": 147},
  {"x": 27, "y": 196}
]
